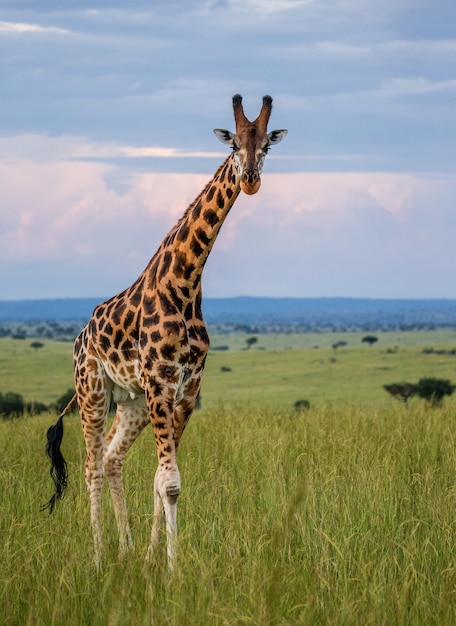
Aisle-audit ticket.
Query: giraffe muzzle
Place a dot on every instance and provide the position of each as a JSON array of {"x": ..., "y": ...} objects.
[{"x": 250, "y": 182}]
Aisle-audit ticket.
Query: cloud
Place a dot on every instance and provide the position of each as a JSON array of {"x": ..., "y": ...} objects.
[
  {"x": 391, "y": 96},
  {"x": 416, "y": 86},
  {"x": 365, "y": 50},
  {"x": 164, "y": 153},
  {"x": 303, "y": 234},
  {"x": 91, "y": 97},
  {"x": 61, "y": 215},
  {"x": 141, "y": 77},
  {"x": 268, "y": 6},
  {"x": 358, "y": 234},
  {"x": 43, "y": 148},
  {"x": 23, "y": 28}
]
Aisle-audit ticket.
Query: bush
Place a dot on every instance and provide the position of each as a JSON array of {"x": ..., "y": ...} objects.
[
  {"x": 433, "y": 390},
  {"x": 11, "y": 404},
  {"x": 302, "y": 405},
  {"x": 35, "y": 408}
]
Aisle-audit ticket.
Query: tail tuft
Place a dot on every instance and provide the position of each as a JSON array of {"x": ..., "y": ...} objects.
[{"x": 58, "y": 469}]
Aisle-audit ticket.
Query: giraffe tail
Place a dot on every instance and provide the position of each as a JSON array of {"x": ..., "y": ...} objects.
[{"x": 58, "y": 471}]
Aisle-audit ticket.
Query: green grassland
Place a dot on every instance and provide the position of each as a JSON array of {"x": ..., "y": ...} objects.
[
  {"x": 336, "y": 516},
  {"x": 340, "y": 515},
  {"x": 279, "y": 376},
  {"x": 277, "y": 371}
]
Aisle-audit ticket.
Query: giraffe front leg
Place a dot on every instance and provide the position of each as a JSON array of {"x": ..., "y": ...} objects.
[
  {"x": 158, "y": 521},
  {"x": 166, "y": 492},
  {"x": 160, "y": 397}
]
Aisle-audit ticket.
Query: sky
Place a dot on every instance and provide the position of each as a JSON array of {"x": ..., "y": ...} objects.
[{"x": 106, "y": 118}]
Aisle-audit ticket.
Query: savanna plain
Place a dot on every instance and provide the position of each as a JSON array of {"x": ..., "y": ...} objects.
[{"x": 342, "y": 513}]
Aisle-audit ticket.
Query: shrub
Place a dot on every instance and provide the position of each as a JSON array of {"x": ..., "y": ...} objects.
[
  {"x": 433, "y": 390},
  {"x": 11, "y": 404},
  {"x": 302, "y": 405},
  {"x": 401, "y": 391},
  {"x": 35, "y": 408}
]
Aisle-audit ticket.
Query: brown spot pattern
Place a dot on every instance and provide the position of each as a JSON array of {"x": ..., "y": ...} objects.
[{"x": 147, "y": 346}]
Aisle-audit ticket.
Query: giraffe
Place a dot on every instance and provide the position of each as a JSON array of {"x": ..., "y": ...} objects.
[{"x": 145, "y": 348}]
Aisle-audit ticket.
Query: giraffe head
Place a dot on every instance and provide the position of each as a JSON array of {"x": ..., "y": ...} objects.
[{"x": 250, "y": 142}]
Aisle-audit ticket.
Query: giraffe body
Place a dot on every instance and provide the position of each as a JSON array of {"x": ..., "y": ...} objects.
[{"x": 145, "y": 348}]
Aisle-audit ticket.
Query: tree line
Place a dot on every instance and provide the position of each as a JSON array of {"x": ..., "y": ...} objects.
[{"x": 13, "y": 404}]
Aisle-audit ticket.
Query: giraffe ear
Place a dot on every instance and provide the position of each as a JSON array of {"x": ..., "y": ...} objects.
[
  {"x": 225, "y": 136},
  {"x": 276, "y": 136}
]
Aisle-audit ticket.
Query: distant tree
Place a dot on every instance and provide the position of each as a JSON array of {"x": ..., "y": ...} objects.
[
  {"x": 36, "y": 345},
  {"x": 433, "y": 390},
  {"x": 370, "y": 339},
  {"x": 339, "y": 344},
  {"x": 250, "y": 341},
  {"x": 11, "y": 404},
  {"x": 401, "y": 391}
]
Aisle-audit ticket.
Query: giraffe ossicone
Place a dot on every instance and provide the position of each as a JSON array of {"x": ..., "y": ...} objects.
[{"x": 145, "y": 348}]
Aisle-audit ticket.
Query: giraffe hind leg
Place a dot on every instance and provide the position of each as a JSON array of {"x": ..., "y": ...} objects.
[
  {"x": 93, "y": 410},
  {"x": 94, "y": 482},
  {"x": 131, "y": 418},
  {"x": 94, "y": 477}
]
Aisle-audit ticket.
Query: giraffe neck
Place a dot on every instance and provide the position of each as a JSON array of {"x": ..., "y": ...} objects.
[{"x": 184, "y": 251}]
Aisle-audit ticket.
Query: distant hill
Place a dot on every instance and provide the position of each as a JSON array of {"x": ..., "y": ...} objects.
[
  {"x": 304, "y": 313},
  {"x": 310, "y": 314},
  {"x": 61, "y": 309}
]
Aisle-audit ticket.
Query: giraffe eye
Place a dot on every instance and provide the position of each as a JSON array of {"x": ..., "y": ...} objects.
[{"x": 234, "y": 147}]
